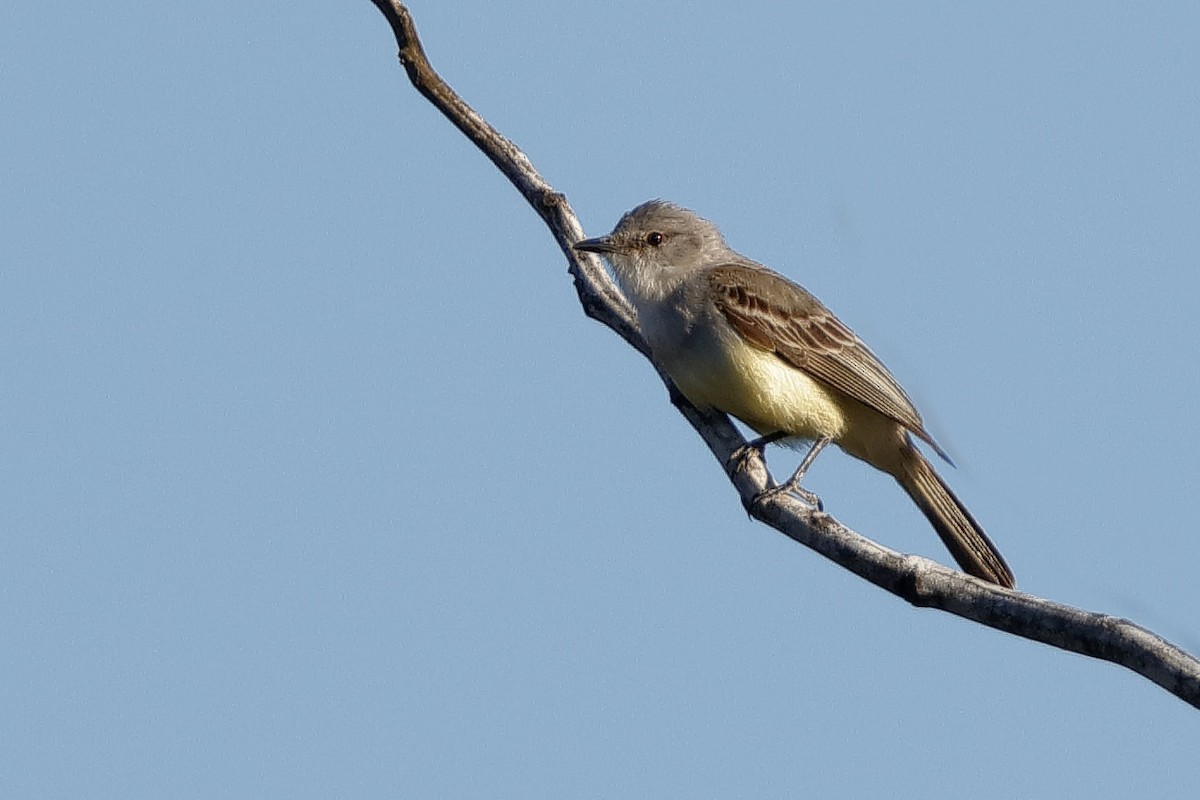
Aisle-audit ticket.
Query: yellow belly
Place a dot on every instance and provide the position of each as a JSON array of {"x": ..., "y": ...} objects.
[{"x": 761, "y": 390}]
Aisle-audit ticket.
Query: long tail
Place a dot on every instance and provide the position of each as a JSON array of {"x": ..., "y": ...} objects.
[{"x": 961, "y": 534}]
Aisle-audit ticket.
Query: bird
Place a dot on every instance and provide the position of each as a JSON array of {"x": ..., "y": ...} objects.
[{"x": 737, "y": 337}]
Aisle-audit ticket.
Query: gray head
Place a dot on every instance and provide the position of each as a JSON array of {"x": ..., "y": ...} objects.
[{"x": 657, "y": 245}]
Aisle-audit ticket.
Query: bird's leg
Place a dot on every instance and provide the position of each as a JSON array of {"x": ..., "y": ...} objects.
[
  {"x": 755, "y": 446},
  {"x": 792, "y": 484}
]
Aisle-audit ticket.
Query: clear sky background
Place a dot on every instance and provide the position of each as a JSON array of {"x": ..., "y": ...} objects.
[{"x": 316, "y": 482}]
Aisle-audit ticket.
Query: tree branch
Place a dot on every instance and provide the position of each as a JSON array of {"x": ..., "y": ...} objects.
[{"x": 918, "y": 580}]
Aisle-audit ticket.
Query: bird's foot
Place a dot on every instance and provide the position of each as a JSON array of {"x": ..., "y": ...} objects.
[
  {"x": 795, "y": 490},
  {"x": 740, "y": 459},
  {"x": 755, "y": 447}
]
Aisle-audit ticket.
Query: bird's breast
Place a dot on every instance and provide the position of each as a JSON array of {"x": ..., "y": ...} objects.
[{"x": 715, "y": 368}]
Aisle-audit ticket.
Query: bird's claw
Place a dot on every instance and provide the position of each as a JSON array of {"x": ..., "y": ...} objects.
[
  {"x": 800, "y": 493},
  {"x": 739, "y": 458}
]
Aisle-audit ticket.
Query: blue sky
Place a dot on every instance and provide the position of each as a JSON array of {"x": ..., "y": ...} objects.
[{"x": 316, "y": 481}]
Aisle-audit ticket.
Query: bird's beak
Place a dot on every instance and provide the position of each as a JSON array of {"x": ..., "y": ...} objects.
[{"x": 601, "y": 244}]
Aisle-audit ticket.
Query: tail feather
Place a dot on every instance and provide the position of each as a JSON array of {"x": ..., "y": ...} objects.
[{"x": 962, "y": 535}]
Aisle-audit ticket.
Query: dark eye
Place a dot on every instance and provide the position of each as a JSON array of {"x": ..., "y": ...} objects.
[{"x": 654, "y": 238}]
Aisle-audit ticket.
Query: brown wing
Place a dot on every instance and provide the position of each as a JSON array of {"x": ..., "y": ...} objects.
[{"x": 772, "y": 313}]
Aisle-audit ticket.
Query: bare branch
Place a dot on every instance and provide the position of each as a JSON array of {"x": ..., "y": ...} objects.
[
  {"x": 918, "y": 580},
  {"x": 600, "y": 297}
]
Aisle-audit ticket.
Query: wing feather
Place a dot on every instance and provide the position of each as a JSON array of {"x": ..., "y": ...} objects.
[{"x": 774, "y": 314}]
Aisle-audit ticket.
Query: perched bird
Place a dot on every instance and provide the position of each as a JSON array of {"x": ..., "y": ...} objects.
[{"x": 739, "y": 338}]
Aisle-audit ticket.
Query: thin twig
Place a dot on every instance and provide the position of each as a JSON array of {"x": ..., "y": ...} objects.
[{"x": 918, "y": 580}]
